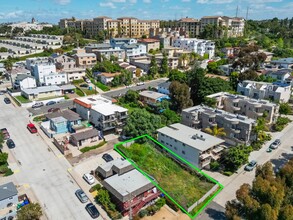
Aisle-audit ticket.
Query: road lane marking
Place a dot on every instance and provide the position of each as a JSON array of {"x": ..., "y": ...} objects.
[
  {"x": 16, "y": 171},
  {"x": 26, "y": 185},
  {"x": 60, "y": 156}
]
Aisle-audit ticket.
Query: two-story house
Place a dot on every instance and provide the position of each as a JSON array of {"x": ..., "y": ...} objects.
[{"x": 8, "y": 201}]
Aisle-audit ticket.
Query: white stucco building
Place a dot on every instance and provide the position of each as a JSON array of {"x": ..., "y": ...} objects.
[
  {"x": 41, "y": 70},
  {"x": 24, "y": 81},
  {"x": 55, "y": 79},
  {"x": 198, "y": 46}
]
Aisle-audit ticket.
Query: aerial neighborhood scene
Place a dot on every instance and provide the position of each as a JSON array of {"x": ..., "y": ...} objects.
[{"x": 144, "y": 109}]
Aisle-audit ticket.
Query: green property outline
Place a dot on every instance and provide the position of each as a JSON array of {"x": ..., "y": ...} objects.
[{"x": 157, "y": 185}]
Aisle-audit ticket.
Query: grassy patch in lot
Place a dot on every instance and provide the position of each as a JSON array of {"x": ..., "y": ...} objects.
[
  {"x": 86, "y": 149},
  {"x": 101, "y": 86},
  {"x": 79, "y": 92},
  {"x": 89, "y": 92},
  {"x": 39, "y": 118},
  {"x": 22, "y": 99},
  {"x": 183, "y": 184}
]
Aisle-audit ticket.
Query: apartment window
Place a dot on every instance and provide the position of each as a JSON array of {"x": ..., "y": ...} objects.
[
  {"x": 183, "y": 152},
  {"x": 174, "y": 147}
]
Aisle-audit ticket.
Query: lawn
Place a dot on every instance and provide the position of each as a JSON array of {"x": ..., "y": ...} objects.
[
  {"x": 185, "y": 187},
  {"x": 22, "y": 99},
  {"x": 79, "y": 92}
]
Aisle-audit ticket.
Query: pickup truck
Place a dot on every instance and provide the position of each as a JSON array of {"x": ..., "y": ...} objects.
[{"x": 5, "y": 133}]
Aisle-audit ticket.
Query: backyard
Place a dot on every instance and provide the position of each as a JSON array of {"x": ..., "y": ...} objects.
[{"x": 184, "y": 186}]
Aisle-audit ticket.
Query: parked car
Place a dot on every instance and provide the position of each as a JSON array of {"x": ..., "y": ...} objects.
[
  {"x": 51, "y": 103},
  {"x": 10, "y": 143},
  {"x": 92, "y": 210},
  {"x": 89, "y": 178},
  {"x": 72, "y": 91},
  {"x": 7, "y": 100},
  {"x": 275, "y": 144},
  {"x": 38, "y": 105},
  {"x": 50, "y": 110},
  {"x": 5, "y": 133},
  {"x": 251, "y": 165},
  {"x": 84, "y": 85},
  {"x": 107, "y": 157},
  {"x": 32, "y": 128},
  {"x": 140, "y": 83},
  {"x": 81, "y": 195}
]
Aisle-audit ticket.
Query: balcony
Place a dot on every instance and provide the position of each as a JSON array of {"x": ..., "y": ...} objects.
[
  {"x": 205, "y": 163},
  {"x": 212, "y": 123},
  {"x": 235, "y": 100},
  {"x": 235, "y": 130},
  {"x": 258, "y": 113},
  {"x": 195, "y": 121},
  {"x": 220, "y": 106},
  {"x": 236, "y": 108}
]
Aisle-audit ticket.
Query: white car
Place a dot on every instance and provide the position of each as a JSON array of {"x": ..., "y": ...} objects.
[
  {"x": 140, "y": 83},
  {"x": 89, "y": 178}
]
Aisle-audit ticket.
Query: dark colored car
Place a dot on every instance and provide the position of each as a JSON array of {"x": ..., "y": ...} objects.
[
  {"x": 10, "y": 143},
  {"x": 7, "y": 100},
  {"x": 107, "y": 157},
  {"x": 5, "y": 133},
  {"x": 81, "y": 195},
  {"x": 92, "y": 210},
  {"x": 51, "y": 103},
  {"x": 84, "y": 85}
]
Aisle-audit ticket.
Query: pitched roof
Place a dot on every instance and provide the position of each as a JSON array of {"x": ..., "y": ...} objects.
[
  {"x": 7, "y": 190},
  {"x": 85, "y": 134},
  {"x": 148, "y": 40},
  {"x": 21, "y": 77}
]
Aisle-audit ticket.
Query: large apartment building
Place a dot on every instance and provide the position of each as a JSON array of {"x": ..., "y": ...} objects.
[
  {"x": 193, "y": 145},
  {"x": 276, "y": 92},
  {"x": 252, "y": 108},
  {"x": 190, "y": 25},
  {"x": 234, "y": 25},
  {"x": 124, "y": 26},
  {"x": 102, "y": 113},
  {"x": 238, "y": 128}
]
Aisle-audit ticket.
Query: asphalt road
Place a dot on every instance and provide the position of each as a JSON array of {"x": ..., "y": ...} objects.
[
  {"x": 44, "y": 110},
  {"x": 117, "y": 92},
  {"x": 41, "y": 169}
]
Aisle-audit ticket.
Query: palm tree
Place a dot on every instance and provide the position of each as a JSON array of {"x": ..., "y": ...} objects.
[
  {"x": 215, "y": 131},
  {"x": 183, "y": 58}
]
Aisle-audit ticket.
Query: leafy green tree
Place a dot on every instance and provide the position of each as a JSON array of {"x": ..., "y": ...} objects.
[
  {"x": 171, "y": 117},
  {"x": 234, "y": 79},
  {"x": 1, "y": 139},
  {"x": 164, "y": 66},
  {"x": 286, "y": 213},
  {"x": 177, "y": 75},
  {"x": 32, "y": 211},
  {"x": 3, "y": 158},
  {"x": 211, "y": 102},
  {"x": 106, "y": 66},
  {"x": 3, "y": 49},
  {"x": 196, "y": 79},
  {"x": 154, "y": 69},
  {"x": 131, "y": 96},
  {"x": 280, "y": 43},
  {"x": 180, "y": 96},
  {"x": 285, "y": 109},
  {"x": 141, "y": 122},
  {"x": 212, "y": 67}
]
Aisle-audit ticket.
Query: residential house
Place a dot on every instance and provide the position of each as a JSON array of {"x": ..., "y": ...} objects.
[
  {"x": 8, "y": 201},
  {"x": 281, "y": 75},
  {"x": 152, "y": 98},
  {"x": 230, "y": 51},
  {"x": 24, "y": 81},
  {"x": 41, "y": 92},
  {"x": 85, "y": 138},
  {"x": 143, "y": 63},
  {"x": 164, "y": 88},
  {"x": 119, "y": 42},
  {"x": 132, "y": 50},
  {"x": 31, "y": 62},
  {"x": 129, "y": 189},
  {"x": 238, "y": 128},
  {"x": 75, "y": 73},
  {"x": 85, "y": 60},
  {"x": 198, "y": 46},
  {"x": 284, "y": 62},
  {"x": 136, "y": 72},
  {"x": 102, "y": 113},
  {"x": 252, "y": 108},
  {"x": 107, "y": 78},
  {"x": 55, "y": 79},
  {"x": 39, "y": 71},
  {"x": 107, "y": 53},
  {"x": 195, "y": 146},
  {"x": 277, "y": 92},
  {"x": 151, "y": 44},
  {"x": 63, "y": 62}
]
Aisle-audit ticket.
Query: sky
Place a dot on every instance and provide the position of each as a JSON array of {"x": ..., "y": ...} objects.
[{"x": 52, "y": 10}]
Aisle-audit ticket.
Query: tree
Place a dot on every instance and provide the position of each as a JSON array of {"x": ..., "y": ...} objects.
[
  {"x": 196, "y": 78},
  {"x": 3, "y": 49},
  {"x": 153, "y": 71},
  {"x": 183, "y": 59},
  {"x": 211, "y": 102},
  {"x": 177, "y": 75},
  {"x": 1, "y": 139},
  {"x": 248, "y": 75},
  {"x": 164, "y": 65},
  {"x": 233, "y": 79},
  {"x": 180, "y": 96},
  {"x": 285, "y": 109},
  {"x": 141, "y": 122},
  {"x": 3, "y": 158},
  {"x": 131, "y": 96},
  {"x": 32, "y": 211},
  {"x": 215, "y": 131}
]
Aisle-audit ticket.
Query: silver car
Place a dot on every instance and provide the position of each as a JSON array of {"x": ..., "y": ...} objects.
[{"x": 81, "y": 195}]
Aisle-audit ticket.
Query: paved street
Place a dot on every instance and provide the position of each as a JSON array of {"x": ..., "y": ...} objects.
[
  {"x": 40, "y": 169},
  {"x": 278, "y": 158},
  {"x": 122, "y": 91}
]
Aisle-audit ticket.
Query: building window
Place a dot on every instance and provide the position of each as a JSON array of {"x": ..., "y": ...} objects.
[
  {"x": 183, "y": 152},
  {"x": 175, "y": 147}
]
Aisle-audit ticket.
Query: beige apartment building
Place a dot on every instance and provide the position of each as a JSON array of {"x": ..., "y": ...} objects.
[
  {"x": 124, "y": 26},
  {"x": 191, "y": 25},
  {"x": 252, "y": 108},
  {"x": 238, "y": 128},
  {"x": 234, "y": 25},
  {"x": 85, "y": 60}
]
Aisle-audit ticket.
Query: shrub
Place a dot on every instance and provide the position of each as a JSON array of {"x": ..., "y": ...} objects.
[
  {"x": 3, "y": 168},
  {"x": 86, "y": 149},
  {"x": 281, "y": 123},
  {"x": 143, "y": 213},
  {"x": 171, "y": 204},
  {"x": 214, "y": 165},
  {"x": 227, "y": 173},
  {"x": 102, "y": 86},
  {"x": 77, "y": 81},
  {"x": 8, "y": 172},
  {"x": 96, "y": 187},
  {"x": 160, "y": 202},
  {"x": 66, "y": 97},
  {"x": 285, "y": 109}
]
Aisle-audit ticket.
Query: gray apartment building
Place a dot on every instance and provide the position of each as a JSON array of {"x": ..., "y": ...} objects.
[
  {"x": 276, "y": 92},
  {"x": 252, "y": 108},
  {"x": 238, "y": 128},
  {"x": 8, "y": 201},
  {"x": 193, "y": 145}
]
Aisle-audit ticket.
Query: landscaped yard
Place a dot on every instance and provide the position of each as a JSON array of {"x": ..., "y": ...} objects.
[
  {"x": 182, "y": 185},
  {"x": 22, "y": 99}
]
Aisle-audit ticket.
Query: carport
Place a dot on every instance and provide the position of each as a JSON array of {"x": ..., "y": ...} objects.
[{"x": 67, "y": 88}]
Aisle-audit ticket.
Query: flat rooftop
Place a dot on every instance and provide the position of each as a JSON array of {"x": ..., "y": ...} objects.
[
  {"x": 131, "y": 183},
  {"x": 190, "y": 136},
  {"x": 41, "y": 89},
  {"x": 152, "y": 94},
  {"x": 119, "y": 163},
  {"x": 109, "y": 109}
]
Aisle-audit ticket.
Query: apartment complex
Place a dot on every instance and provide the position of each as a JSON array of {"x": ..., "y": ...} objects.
[
  {"x": 276, "y": 92},
  {"x": 124, "y": 26},
  {"x": 234, "y": 25},
  {"x": 100, "y": 111},
  {"x": 85, "y": 60},
  {"x": 195, "y": 146},
  {"x": 252, "y": 108},
  {"x": 238, "y": 128},
  {"x": 198, "y": 46},
  {"x": 190, "y": 25}
]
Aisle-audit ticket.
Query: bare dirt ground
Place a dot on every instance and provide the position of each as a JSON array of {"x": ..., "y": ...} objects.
[{"x": 167, "y": 213}]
